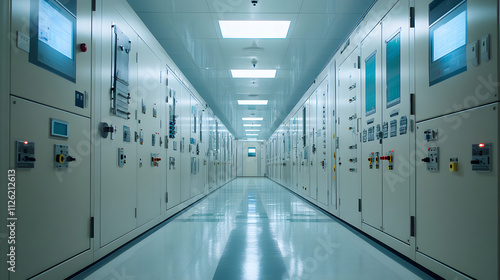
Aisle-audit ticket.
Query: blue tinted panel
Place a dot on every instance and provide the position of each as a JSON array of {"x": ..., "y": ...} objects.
[
  {"x": 393, "y": 69},
  {"x": 371, "y": 89}
]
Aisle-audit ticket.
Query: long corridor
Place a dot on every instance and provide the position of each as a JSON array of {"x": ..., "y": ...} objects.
[{"x": 252, "y": 228}]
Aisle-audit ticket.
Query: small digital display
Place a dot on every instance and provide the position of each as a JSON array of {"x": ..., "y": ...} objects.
[
  {"x": 252, "y": 152},
  {"x": 59, "y": 128},
  {"x": 393, "y": 70},
  {"x": 55, "y": 30},
  {"x": 449, "y": 36},
  {"x": 447, "y": 39},
  {"x": 55, "y": 43},
  {"x": 371, "y": 84}
]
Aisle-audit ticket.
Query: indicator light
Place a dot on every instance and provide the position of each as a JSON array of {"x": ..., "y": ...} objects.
[
  {"x": 480, "y": 145},
  {"x": 26, "y": 143}
]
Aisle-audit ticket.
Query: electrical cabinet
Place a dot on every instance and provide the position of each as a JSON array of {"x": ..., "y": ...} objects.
[
  {"x": 150, "y": 152},
  {"x": 349, "y": 147},
  {"x": 322, "y": 162},
  {"x": 194, "y": 148},
  {"x": 304, "y": 150},
  {"x": 458, "y": 71},
  {"x": 295, "y": 155},
  {"x": 212, "y": 152},
  {"x": 117, "y": 212},
  {"x": 36, "y": 71},
  {"x": 51, "y": 198},
  {"x": 173, "y": 168},
  {"x": 455, "y": 210},
  {"x": 184, "y": 135},
  {"x": 371, "y": 125},
  {"x": 312, "y": 131},
  {"x": 396, "y": 108}
]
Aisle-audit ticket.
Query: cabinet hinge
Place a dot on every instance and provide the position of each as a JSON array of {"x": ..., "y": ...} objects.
[
  {"x": 359, "y": 205},
  {"x": 92, "y": 226},
  {"x": 412, "y": 17},
  {"x": 412, "y": 226},
  {"x": 412, "y": 104}
]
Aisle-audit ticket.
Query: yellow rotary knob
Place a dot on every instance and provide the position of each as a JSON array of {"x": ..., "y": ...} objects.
[{"x": 60, "y": 158}]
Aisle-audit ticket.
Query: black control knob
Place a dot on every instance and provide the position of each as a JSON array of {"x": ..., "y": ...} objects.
[
  {"x": 70, "y": 159},
  {"x": 427, "y": 159}
]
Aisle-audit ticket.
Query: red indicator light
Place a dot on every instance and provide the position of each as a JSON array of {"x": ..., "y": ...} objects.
[
  {"x": 481, "y": 145},
  {"x": 25, "y": 142}
]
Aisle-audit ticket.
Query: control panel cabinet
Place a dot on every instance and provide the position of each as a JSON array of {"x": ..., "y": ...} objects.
[
  {"x": 456, "y": 55},
  {"x": 372, "y": 128},
  {"x": 397, "y": 123},
  {"x": 150, "y": 151},
  {"x": 349, "y": 146},
  {"x": 312, "y": 131},
  {"x": 323, "y": 161},
  {"x": 46, "y": 63},
  {"x": 118, "y": 136},
  {"x": 172, "y": 162},
  {"x": 53, "y": 194},
  {"x": 457, "y": 208}
]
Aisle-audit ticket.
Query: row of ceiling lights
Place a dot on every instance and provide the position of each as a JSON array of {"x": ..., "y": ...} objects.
[{"x": 254, "y": 30}]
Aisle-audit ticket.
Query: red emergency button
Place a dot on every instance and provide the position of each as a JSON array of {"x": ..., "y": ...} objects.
[{"x": 83, "y": 47}]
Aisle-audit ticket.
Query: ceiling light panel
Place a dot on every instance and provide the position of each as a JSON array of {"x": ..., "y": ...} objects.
[
  {"x": 254, "y": 74},
  {"x": 252, "y": 134},
  {"x": 257, "y": 29},
  {"x": 252, "y": 130},
  {"x": 252, "y": 125},
  {"x": 252, "y": 119},
  {"x": 252, "y": 102}
]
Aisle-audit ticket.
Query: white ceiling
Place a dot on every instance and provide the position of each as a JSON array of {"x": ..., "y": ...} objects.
[{"x": 190, "y": 33}]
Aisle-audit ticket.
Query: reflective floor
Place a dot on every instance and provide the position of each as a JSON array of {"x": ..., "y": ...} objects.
[{"x": 252, "y": 228}]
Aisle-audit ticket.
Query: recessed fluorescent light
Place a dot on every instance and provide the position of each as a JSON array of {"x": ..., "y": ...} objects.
[
  {"x": 252, "y": 125},
  {"x": 252, "y": 102},
  {"x": 253, "y": 73},
  {"x": 257, "y": 29},
  {"x": 252, "y": 130},
  {"x": 252, "y": 134},
  {"x": 252, "y": 119},
  {"x": 251, "y": 139}
]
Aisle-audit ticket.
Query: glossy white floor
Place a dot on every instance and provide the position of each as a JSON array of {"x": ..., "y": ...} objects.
[{"x": 252, "y": 228}]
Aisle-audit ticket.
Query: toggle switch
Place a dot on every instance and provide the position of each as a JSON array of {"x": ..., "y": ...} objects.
[
  {"x": 472, "y": 53},
  {"x": 155, "y": 159},
  {"x": 485, "y": 48}
]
